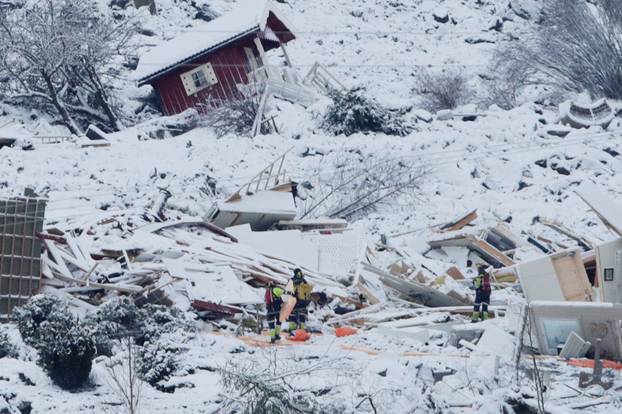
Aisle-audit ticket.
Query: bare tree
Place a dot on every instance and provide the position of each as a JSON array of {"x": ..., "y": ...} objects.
[
  {"x": 235, "y": 116},
  {"x": 442, "y": 90},
  {"x": 57, "y": 56},
  {"x": 124, "y": 379},
  {"x": 576, "y": 46},
  {"x": 357, "y": 186},
  {"x": 273, "y": 386},
  {"x": 511, "y": 77}
]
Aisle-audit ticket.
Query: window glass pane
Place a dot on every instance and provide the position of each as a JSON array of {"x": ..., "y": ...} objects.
[
  {"x": 199, "y": 79},
  {"x": 556, "y": 331}
]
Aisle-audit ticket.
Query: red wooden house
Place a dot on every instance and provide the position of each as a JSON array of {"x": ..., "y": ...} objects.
[{"x": 213, "y": 62}]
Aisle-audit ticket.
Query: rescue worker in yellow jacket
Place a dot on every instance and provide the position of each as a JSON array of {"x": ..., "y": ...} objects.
[
  {"x": 274, "y": 302},
  {"x": 301, "y": 290}
]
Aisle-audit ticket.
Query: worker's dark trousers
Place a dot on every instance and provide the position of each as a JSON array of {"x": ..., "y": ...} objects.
[
  {"x": 299, "y": 314},
  {"x": 481, "y": 298},
  {"x": 273, "y": 316}
]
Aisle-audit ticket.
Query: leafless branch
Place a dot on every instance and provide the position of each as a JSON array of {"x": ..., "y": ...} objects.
[
  {"x": 124, "y": 380},
  {"x": 356, "y": 187}
]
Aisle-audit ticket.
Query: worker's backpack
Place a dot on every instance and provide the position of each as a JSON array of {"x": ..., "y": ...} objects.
[
  {"x": 486, "y": 283},
  {"x": 303, "y": 291},
  {"x": 268, "y": 296}
]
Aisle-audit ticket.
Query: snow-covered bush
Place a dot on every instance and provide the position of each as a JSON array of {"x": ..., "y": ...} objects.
[
  {"x": 575, "y": 47},
  {"x": 503, "y": 92},
  {"x": 162, "y": 329},
  {"x": 352, "y": 111},
  {"x": 251, "y": 388},
  {"x": 7, "y": 349},
  {"x": 159, "y": 320},
  {"x": 66, "y": 349},
  {"x": 157, "y": 360},
  {"x": 64, "y": 343},
  {"x": 31, "y": 315},
  {"x": 235, "y": 116},
  {"x": 444, "y": 90},
  {"x": 115, "y": 319},
  {"x": 150, "y": 327}
]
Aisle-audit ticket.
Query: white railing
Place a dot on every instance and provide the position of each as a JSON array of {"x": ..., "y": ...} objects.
[
  {"x": 279, "y": 81},
  {"x": 274, "y": 74},
  {"x": 322, "y": 79}
]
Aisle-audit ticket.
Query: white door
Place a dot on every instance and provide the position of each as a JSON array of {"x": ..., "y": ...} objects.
[{"x": 250, "y": 56}]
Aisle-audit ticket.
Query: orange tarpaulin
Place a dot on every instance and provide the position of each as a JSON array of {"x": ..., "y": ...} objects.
[
  {"x": 589, "y": 363},
  {"x": 300, "y": 336},
  {"x": 345, "y": 331}
]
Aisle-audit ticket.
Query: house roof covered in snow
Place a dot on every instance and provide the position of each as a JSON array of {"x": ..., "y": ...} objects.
[{"x": 248, "y": 17}]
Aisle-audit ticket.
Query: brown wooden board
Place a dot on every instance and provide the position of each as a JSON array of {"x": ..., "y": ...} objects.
[
  {"x": 572, "y": 277},
  {"x": 461, "y": 222}
]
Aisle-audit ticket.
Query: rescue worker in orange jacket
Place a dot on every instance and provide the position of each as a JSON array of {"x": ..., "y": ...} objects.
[{"x": 481, "y": 284}]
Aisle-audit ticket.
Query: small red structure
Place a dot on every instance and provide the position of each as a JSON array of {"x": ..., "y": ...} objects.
[{"x": 213, "y": 62}]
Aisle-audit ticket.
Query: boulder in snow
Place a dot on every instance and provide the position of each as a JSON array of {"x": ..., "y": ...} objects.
[
  {"x": 556, "y": 130},
  {"x": 444, "y": 115},
  {"x": 441, "y": 15},
  {"x": 423, "y": 115},
  {"x": 484, "y": 38}
]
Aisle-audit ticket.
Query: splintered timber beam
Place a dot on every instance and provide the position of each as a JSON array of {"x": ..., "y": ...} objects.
[
  {"x": 560, "y": 228},
  {"x": 215, "y": 307}
]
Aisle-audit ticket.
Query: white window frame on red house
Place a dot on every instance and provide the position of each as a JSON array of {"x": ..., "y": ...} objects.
[{"x": 199, "y": 78}]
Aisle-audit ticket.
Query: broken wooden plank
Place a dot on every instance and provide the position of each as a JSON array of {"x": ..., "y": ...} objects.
[
  {"x": 460, "y": 222},
  {"x": 455, "y": 273},
  {"x": 489, "y": 253}
]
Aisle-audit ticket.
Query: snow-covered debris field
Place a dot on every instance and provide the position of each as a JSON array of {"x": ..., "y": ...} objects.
[{"x": 476, "y": 183}]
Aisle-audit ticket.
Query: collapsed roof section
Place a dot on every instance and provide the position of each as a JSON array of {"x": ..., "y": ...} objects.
[
  {"x": 265, "y": 200},
  {"x": 261, "y": 210}
]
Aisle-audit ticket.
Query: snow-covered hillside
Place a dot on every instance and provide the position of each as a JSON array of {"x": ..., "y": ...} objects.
[
  {"x": 488, "y": 163},
  {"x": 502, "y": 163}
]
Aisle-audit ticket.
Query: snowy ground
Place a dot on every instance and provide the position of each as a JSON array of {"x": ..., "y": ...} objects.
[
  {"x": 488, "y": 164},
  {"x": 397, "y": 373}
]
